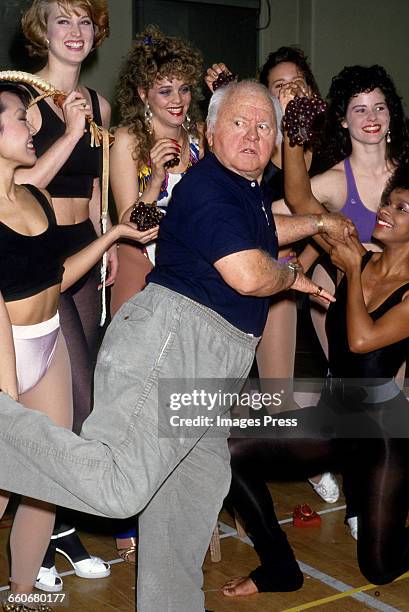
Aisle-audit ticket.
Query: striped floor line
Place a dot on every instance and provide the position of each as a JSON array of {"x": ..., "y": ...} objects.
[
  {"x": 345, "y": 590},
  {"x": 228, "y": 531}
]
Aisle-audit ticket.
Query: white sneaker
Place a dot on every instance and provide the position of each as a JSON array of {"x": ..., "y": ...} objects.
[
  {"x": 327, "y": 488},
  {"x": 353, "y": 526}
]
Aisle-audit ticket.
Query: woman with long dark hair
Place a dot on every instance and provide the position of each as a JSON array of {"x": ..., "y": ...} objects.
[
  {"x": 285, "y": 68},
  {"x": 35, "y": 366}
]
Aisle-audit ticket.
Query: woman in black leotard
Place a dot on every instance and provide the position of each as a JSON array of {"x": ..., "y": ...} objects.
[
  {"x": 33, "y": 270},
  {"x": 368, "y": 338}
]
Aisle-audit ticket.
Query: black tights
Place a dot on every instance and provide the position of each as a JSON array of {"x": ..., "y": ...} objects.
[
  {"x": 378, "y": 475},
  {"x": 79, "y": 310}
]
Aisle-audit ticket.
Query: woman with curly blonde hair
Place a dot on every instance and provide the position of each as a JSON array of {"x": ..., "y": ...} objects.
[
  {"x": 63, "y": 33},
  {"x": 158, "y": 139}
]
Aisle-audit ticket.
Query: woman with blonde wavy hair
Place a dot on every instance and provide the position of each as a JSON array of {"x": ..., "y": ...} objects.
[{"x": 158, "y": 139}]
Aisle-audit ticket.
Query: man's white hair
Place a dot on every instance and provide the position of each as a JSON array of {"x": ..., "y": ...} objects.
[{"x": 225, "y": 92}]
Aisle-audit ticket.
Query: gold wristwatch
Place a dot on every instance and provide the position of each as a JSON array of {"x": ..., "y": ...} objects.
[{"x": 295, "y": 268}]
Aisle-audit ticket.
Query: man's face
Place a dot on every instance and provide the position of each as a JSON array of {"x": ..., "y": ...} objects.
[{"x": 244, "y": 135}]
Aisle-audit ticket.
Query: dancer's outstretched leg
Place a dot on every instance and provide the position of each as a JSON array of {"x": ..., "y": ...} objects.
[{"x": 119, "y": 461}]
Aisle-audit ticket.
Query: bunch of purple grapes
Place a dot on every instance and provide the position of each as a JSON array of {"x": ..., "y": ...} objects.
[
  {"x": 223, "y": 79},
  {"x": 175, "y": 161},
  {"x": 299, "y": 118},
  {"x": 146, "y": 216}
]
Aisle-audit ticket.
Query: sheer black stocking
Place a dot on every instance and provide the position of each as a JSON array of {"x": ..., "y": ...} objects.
[
  {"x": 381, "y": 476},
  {"x": 383, "y": 543},
  {"x": 79, "y": 310}
]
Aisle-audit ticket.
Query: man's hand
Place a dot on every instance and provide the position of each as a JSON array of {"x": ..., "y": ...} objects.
[
  {"x": 346, "y": 254},
  {"x": 291, "y": 228},
  {"x": 336, "y": 226},
  {"x": 305, "y": 285}
]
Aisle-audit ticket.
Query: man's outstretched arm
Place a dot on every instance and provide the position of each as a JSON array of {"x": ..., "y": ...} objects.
[{"x": 254, "y": 272}]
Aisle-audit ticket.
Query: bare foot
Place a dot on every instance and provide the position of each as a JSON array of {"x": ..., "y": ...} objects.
[{"x": 239, "y": 587}]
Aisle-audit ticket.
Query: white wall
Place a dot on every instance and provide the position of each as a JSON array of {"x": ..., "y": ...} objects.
[
  {"x": 101, "y": 72},
  {"x": 335, "y": 34}
]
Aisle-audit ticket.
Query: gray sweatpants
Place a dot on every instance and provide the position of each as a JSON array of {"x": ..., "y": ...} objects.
[{"x": 121, "y": 464}]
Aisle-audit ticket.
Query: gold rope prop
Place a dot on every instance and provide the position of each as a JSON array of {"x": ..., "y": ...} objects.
[{"x": 99, "y": 135}]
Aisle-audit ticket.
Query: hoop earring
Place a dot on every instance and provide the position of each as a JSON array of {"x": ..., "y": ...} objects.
[
  {"x": 47, "y": 42},
  {"x": 388, "y": 137},
  {"x": 148, "y": 118},
  {"x": 187, "y": 124}
]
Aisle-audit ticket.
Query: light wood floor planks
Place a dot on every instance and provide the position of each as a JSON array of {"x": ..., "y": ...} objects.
[{"x": 327, "y": 553}]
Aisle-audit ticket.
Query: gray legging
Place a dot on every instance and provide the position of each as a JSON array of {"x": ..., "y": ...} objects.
[{"x": 123, "y": 463}]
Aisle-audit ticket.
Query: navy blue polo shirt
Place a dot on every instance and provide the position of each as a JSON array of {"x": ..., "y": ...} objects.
[{"x": 214, "y": 212}]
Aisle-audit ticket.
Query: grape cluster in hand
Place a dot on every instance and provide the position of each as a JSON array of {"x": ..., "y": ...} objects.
[
  {"x": 299, "y": 117},
  {"x": 145, "y": 216},
  {"x": 171, "y": 163},
  {"x": 223, "y": 79}
]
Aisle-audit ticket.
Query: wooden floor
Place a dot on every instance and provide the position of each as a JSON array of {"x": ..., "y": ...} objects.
[
  {"x": 328, "y": 554},
  {"x": 332, "y": 579}
]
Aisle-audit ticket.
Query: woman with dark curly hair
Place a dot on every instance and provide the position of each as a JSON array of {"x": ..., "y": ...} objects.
[
  {"x": 63, "y": 33},
  {"x": 158, "y": 138},
  {"x": 363, "y": 138},
  {"x": 360, "y": 143},
  {"x": 157, "y": 141},
  {"x": 337, "y": 138}
]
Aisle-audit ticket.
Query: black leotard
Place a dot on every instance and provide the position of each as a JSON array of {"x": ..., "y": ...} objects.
[
  {"x": 75, "y": 178},
  {"x": 30, "y": 264},
  {"x": 382, "y": 363}
]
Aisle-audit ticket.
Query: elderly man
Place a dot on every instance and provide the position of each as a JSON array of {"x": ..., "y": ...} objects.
[{"x": 200, "y": 317}]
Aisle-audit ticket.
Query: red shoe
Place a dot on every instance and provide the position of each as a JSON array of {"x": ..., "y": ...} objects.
[{"x": 304, "y": 516}]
